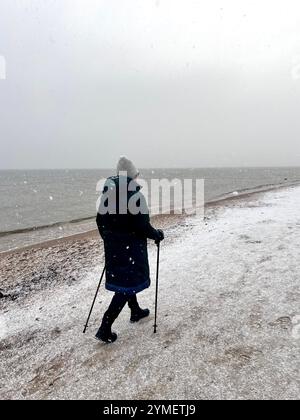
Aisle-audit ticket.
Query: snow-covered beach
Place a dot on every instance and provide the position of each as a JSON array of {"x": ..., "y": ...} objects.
[{"x": 229, "y": 312}]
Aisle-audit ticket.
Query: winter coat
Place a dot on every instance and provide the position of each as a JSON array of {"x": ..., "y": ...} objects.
[{"x": 125, "y": 239}]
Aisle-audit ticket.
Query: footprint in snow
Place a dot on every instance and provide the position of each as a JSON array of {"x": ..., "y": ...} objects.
[{"x": 284, "y": 322}]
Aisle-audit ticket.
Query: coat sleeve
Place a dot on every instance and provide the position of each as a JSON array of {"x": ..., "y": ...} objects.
[
  {"x": 141, "y": 222},
  {"x": 142, "y": 227}
]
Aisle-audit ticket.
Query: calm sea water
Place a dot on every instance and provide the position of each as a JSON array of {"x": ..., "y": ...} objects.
[{"x": 39, "y": 205}]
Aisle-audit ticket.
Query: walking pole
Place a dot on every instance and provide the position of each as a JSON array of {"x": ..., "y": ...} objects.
[
  {"x": 90, "y": 313},
  {"x": 156, "y": 291}
]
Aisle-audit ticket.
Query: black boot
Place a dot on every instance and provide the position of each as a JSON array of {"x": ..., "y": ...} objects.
[
  {"x": 138, "y": 314},
  {"x": 104, "y": 333},
  {"x": 117, "y": 304}
]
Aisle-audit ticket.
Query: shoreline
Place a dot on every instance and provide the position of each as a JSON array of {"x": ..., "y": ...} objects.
[
  {"x": 51, "y": 263},
  {"x": 238, "y": 275},
  {"x": 161, "y": 220}
]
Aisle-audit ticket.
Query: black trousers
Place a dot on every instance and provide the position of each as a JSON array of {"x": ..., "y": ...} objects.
[{"x": 118, "y": 302}]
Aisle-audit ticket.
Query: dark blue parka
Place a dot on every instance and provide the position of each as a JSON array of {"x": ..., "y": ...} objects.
[{"x": 125, "y": 237}]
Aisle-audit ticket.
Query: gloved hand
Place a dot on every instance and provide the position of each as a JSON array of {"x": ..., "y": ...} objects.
[{"x": 160, "y": 236}]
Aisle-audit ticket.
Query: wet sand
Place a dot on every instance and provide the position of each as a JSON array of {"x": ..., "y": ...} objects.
[{"x": 60, "y": 261}]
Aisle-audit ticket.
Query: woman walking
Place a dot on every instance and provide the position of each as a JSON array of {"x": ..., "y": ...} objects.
[{"x": 125, "y": 233}]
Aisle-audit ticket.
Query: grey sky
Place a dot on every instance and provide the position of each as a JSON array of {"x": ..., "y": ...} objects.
[{"x": 166, "y": 82}]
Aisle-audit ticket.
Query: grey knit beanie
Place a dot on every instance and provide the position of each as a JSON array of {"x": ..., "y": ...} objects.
[{"x": 125, "y": 165}]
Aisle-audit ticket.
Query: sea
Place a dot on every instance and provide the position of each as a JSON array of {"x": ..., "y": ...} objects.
[{"x": 40, "y": 205}]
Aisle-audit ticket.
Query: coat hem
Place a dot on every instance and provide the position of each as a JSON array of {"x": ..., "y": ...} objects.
[{"x": 128, "y": 290}]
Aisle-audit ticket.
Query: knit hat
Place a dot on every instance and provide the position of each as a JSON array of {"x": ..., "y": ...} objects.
[{"x": 125, "y": 165}]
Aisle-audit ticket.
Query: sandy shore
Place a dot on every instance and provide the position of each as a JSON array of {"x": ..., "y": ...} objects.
[
  {"x": 60, "y": 261},
  {"x": 228, "y": 312}
]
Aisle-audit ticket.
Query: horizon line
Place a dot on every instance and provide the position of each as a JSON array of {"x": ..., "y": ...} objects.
[{"x": 153, "y": 168}]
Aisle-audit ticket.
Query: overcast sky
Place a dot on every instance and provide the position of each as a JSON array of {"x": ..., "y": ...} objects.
[{"x": 166, "y": 82}]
